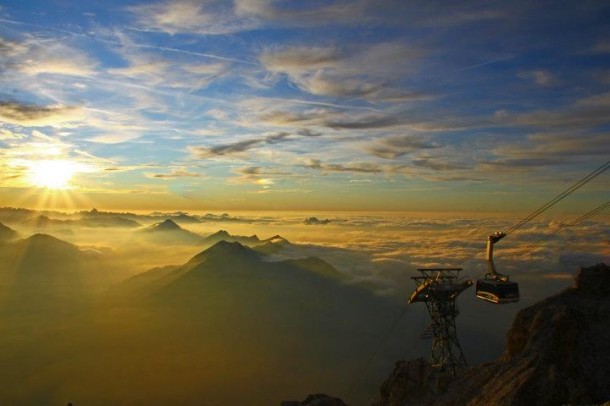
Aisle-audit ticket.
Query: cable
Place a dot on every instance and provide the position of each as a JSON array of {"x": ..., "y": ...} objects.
[
  {"x": 574, "y": 222},
  {"x": 560, "y": 197},
  {"x": 359, "y": 377},
  {"x": 581, "y": 182}
]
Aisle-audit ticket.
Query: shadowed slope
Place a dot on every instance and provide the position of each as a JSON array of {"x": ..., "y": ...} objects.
[
  {"x": 287, "y": 326},
  {"x": 7, "y": 233},
  {"x": 41, "y": 273}
]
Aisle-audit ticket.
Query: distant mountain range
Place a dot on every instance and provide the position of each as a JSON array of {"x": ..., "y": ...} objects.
[{"x": 98, "y": 218}]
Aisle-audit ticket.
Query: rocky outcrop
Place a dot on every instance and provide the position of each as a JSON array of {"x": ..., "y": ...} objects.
[
  {"x": 316, "y": 400},
  {"x": 556, "y": 353}
]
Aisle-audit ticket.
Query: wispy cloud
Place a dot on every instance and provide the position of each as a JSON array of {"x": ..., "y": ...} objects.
[
  {"x": 397, "y": 146},
  {"x": 350, "y": 168},
  {"x": 200, "y": 17},
  {"x": 175, "y": 173},
  {"x": 242, "y": 146},
  {"x": 329, "y": 71},
  {"x": 34, "y": 115},
  {"x": 540, "y": 77},
  {"x": 34, "y": 57}
]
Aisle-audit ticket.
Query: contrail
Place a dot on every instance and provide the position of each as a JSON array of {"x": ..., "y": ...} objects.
[
  {"x": 137, "y": 45},
  {"x": 503, "y": 58}
]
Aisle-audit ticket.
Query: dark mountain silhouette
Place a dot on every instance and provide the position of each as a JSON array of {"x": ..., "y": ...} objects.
[
  {"x": 272, "y": 245},
  {"x": 166, "y": 225},
  {"x": 168, "y": 231},
  {"x": 15, "y": 215},
  {"x": 224, "y": 218},
  {"x": 223, "y": 235},
  {"x": 314, "y": 221},
  {"x": 47, "y": 249},
  {"x": 41, "y": 273},
  {"x": 7, "y": 233},
  {"x": 318, "y": 399},
  {"x": 43, "y": 221},
  {"x": 184, "y": 218},
  {"x": 178, "y": 217},
  {"x": 254, "y": 314},
  {"x": 556, "y": 353},
  {"x": 95, "y": 218}
]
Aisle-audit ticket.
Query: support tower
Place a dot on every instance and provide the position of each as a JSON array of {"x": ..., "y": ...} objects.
[{"x": 438, "y": 288}]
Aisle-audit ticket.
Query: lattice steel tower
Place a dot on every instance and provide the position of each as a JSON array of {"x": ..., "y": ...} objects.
[{"x": 438, "y": 289}]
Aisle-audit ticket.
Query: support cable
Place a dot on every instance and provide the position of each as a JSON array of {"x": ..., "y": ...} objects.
[
  {"x": 581, "y": 182},
  {"x": 572, "y": 223},
  {"x": 559, "y": 197}
]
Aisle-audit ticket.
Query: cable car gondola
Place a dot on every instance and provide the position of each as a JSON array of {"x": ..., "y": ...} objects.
[
  {"x": 496, "y": 288},
  {"x": 497, "y": 291}
]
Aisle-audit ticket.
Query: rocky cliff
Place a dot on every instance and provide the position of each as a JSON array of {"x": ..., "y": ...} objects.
[
  {"x": 557, "y": 353},
  {"x": 316, "y": 400}
]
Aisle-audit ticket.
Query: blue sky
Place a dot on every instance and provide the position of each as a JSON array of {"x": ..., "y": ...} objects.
[{"x": 314, "y": 105}]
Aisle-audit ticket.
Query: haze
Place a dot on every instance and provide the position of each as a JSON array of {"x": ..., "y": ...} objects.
[{"x": 222, "y": 202}]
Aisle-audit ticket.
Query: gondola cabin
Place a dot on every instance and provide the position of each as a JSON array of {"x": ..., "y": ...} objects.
[{"x": 497, "y": 291}]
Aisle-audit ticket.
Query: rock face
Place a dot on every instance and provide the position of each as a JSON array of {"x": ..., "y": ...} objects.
[
  {"x": 556, "y": 352},
  {"x": 316, "y": 400}
]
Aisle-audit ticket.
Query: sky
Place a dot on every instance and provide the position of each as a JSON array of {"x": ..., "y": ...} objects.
[{"x": 476, "y": 106}]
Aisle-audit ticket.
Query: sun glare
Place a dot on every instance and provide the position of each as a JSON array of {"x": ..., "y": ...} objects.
[{"x": 52, "y": 174}]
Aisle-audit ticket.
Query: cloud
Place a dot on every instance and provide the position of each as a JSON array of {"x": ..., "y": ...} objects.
[
  {"x": 35, "y": 57},
  {"x": 294, "y": 60},
  {"x": 58, "y": 66},
  {"x": 353, "y": 72},
  {"x": 293, "y": 117},
  {"x": 259, "y": 176},
  {"x": 540, "y": 77},
  {"x": 33, "y": 115},
  {"x": 328, "y": 84},
  {"x": 113, "y": 138},
  {"x": 189, "y": 16},
  {"x": 341, "y": 12},
  {"x": 238, "y": 147},
  {"x": 352, "y": 168},
  {"x": 366, "y": 122},
  {"x": 586, "y": 112},
  {"x": 601, "y": 47},
  {"x": 397, "y": 146},
  {"x": 461, "y": 17},
  {"x": 544, "y": 149},
  {"x": 227, "y": 149},
  {"x": 10, "y": 135},
  {"x": 152, "y": 70},
  {"x": 176, "y": 173},
  {"x": 440, "y": 164}
]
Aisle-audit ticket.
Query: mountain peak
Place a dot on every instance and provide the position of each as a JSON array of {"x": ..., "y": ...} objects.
[
  {"x": 277, "y": 239},
  {"x": 166, "y": 225},
  {"x": 44, "y": 239},
  {"x": 221, "y": 233},
  {"x": 225, "y": 250},
  {"x": 47, "y": 243}
]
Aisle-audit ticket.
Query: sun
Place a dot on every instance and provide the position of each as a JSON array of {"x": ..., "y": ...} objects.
[{"x": 52, "y": 174}]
